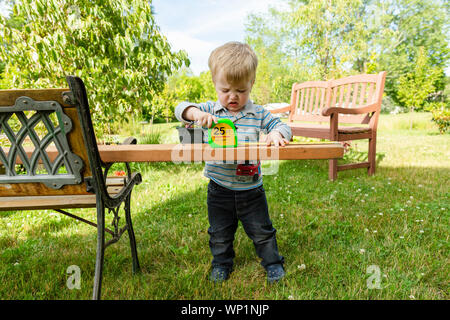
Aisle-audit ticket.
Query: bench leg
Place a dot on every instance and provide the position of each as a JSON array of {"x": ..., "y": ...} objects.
[
  {"x": 372, "y": 155},
  {"x": 100, "y": 250},
  {"x": 332, "y": 169},
  {"x": 134, "y": 255}
]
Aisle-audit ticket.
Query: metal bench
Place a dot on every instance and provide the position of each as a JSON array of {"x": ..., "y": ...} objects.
[{"x": 72, "y": 177}]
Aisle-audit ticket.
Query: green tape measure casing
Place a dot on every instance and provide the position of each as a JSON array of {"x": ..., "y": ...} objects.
[{"x": 222, "y": 134}]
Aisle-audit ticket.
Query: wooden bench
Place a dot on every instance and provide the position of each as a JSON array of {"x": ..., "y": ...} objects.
[
  {"x": 75, "y": 176},
  {"x": 351, "y": 100}
]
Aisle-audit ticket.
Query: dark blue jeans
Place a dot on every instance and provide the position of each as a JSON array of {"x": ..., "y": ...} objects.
[{"x": 225, "y": 208}]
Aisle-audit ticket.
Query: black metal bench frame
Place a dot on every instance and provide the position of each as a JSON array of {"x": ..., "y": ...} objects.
[{"x": 96, "y": 183}]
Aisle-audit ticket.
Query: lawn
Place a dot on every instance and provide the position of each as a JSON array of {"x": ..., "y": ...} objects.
[{"x": 360, "y": 237}]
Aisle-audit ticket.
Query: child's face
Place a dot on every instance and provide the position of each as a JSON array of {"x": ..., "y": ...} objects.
[{"x": 232, "y": 96}]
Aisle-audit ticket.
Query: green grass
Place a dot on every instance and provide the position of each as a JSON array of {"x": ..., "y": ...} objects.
[{"x": 397, "y": 220}]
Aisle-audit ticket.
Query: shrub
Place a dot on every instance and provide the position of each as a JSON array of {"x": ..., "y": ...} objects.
[
  {"x": 388, "y": 106},
  {"x": 151, "y": 137},
  {"x": 441, "y": 116}
]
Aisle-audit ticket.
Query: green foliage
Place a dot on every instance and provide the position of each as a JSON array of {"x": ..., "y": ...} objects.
[
  {"x": 400, "y": 28},
  {"x": 415, "y": 86},
  {"x": 181, "y": 86},
  {"x": 152, "y": 137},
  {"x": 441, "y": 116},
  {"x": 322, "y": 39},
  {"x": 114, "y": 46},
  {"x": 187, "y": 87}
]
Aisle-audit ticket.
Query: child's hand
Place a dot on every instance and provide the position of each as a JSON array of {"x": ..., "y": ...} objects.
[
  {"x": 277, "y": 139},
  {"x": 204, "y": 119}
]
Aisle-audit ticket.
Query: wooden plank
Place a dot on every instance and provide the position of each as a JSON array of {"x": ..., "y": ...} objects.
[
  {"x": 349, "y": 166},
  {"x": 46, "y": 202},
  {"x": 311, "y": 84},
  {"x": 203, "y": 152},
  {"x": 8, "y": 97},
  {"x": 356, "y": 78}
]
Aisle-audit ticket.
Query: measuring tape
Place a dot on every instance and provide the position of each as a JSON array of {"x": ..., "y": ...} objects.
[{"x": 222, "y": 134}]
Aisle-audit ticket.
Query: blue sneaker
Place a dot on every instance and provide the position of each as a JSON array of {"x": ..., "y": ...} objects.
[
  {"x": 219, "y": 274},
  {"x": 275, "y": 272}
]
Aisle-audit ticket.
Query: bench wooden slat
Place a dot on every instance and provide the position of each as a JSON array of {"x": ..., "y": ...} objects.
[
  {"x": 47, "y": 202},
  {"x": 11, "y": 203}
]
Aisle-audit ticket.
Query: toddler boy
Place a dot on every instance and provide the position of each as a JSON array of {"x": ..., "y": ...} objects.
[{"x": 232, "y": 197}]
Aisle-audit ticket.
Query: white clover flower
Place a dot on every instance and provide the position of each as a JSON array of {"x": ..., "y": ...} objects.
[
  {"x": 374, "y": 231},
  {"x": 380, "y": 213},
  {"x": 366, "y": 230},
  {"x": 401, "y": 237},
  {"x": 412, "y": 297},
  {"x": 362, "y": 251},
  {"x": 421, "y": 231},
  {"x": 301, "y": 266},
  {"x": 291, "y": 297}
]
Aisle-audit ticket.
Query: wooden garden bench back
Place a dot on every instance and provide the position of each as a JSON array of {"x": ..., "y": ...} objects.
[
  {"x": 74, "y": 177},
  {"x": 351, "y": 100},
  {"x": 74, "y": 137}
]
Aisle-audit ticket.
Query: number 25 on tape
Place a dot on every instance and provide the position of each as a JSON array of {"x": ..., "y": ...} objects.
[{"x": 222, "y": 134}]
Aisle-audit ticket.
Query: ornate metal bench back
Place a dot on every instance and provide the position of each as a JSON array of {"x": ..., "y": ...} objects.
[
  {"x": 38, "y": 167},
  {"x": 96, "y": 183}
]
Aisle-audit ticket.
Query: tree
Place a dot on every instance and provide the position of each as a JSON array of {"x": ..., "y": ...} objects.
[
  {"x": 401, "y": 27},
  {"x": 307, "y": 40},
  {"x": 323, "y": 39},
  {"x": 415, "y": 86},
  {"x": 114, "y": 46}
]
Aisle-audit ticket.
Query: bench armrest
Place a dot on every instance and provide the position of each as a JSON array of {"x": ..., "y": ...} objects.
[
  {"x": 361, "y": 110},
  {"x": 132, "y": 179},
  {"x": 281, "y": 110}
]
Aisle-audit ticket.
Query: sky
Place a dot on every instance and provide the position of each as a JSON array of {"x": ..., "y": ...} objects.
[{"x": 199, "y": 26}]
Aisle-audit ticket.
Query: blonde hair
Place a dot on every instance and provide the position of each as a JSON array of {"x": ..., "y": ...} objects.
[{"x": 237, "y": 60}]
